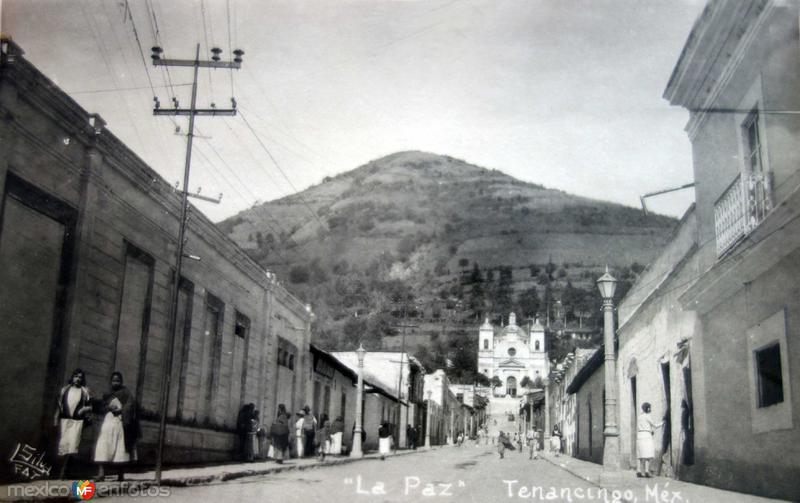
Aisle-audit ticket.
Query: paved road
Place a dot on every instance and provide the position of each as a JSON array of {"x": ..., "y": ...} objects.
[{"x": 466, "y": 474}]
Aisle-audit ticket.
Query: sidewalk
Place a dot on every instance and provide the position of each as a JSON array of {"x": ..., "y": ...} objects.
[
  {"x": 142, "y": 482},
  {"x": 655, "y": 490}
]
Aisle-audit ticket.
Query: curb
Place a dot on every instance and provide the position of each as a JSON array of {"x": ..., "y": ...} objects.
[
  {"x": 583, "y": 477},
  {"x": 573, "y": 472},
  {"x": 194, "y": 481},
  {"x": 226, "y": 476}
]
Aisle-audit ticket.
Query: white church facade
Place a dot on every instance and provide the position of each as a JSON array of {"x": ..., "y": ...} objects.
[{"x": 511, "y": 353}]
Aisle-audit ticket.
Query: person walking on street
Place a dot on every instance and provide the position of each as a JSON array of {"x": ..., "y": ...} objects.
[
  {"x": 322, "y": 437},
  {"x": 279, "y": 434},
  {"x": 309, "y": 430},
  {"x": 119, "y": 432},
  {"x": 503, "y": 443},
  {"x": 384, "y": 440},
  {"x": 645, "y": 448},
  {"x": 74, "y": 406}
]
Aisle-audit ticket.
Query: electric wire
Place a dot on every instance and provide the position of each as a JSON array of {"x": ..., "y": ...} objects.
[
  {"x": 208, "y": 47},
  {"x": 97, "y": 35},
  {"x": 277, "y": 165},
  {"x": 230, "y": 46},
  {"x": 253, "y": 196},
  {"x": 124, "y": 89}
]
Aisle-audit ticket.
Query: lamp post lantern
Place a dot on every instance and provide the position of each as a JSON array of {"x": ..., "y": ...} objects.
[
  {"x": 356, "y": 451},
  {"x": 428, "y": 422},
  {"x": 607, "y": 284}
]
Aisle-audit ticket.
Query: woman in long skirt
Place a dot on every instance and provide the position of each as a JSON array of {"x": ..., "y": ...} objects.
[
  {"x": 120, "y": 429},
  {"x": 279, "y": 434},
  {"x": 384, "y": 440},
  {"x": 299, "y": 438},
  {"x": 555, "y": 441},
  {"x": 74, "y": 404},
  {"x": 322, "y": 437},
  {"x": 503, "y": 442},
  {"x": 337, "y": 430}
]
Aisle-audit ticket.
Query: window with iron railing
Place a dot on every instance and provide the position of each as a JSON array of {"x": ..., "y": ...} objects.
[{"x": 746, "y": 201}]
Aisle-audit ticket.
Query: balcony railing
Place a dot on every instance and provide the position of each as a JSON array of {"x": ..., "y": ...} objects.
[{"x": 740, "y": 209}]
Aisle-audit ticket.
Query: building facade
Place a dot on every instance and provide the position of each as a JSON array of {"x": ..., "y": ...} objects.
[
  {"x": 585, "y": 399},
  {"x": 451, "y": 413},
  {"x": 88, "y": 238},
  {"x": 512, "y": 353},
  {"x": 739, "y": 77},
  {"x": 562, "y": 401},
  {"x": 654, "y": 355}
]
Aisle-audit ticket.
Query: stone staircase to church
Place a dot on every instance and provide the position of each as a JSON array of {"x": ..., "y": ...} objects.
[{"x": 500, "y": 411}]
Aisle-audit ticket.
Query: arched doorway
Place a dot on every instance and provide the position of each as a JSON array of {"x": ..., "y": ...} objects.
[{"x": 511, "y": 386}]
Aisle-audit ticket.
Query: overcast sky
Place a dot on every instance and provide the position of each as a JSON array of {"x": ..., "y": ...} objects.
[{"x": 564, "y": 93}]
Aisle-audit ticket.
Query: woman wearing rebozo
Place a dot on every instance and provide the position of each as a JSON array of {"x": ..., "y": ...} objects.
[
  {"x": 645, "y": 448},
  {"x": 74, "y": 406},
  {"x": 279, "y": 433},
  {"x": 120, "y": 429}
]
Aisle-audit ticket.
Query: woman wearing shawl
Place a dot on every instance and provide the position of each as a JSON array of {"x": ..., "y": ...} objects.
[
  {"x": 555, "y": 441},
  {"x": 279, "y": 433},
  {"x": 120, "y": 429},
  {"x": 322, "y": 437},
  {"x": 74, "y": 404},
  {"x": 503, "y": 443},
  {"x": 337, "y": 430},
  {"x": 384, "y": 440},
  {"x": 251, "y": 450}
]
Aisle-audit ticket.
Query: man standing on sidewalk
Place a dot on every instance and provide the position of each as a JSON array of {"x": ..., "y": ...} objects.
[{"x": 309, "y": 431}]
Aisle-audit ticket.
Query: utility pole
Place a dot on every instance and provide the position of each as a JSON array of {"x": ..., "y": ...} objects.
[
  {"x": 192, "y": 111},
  {"x": 404, "y": 325}
]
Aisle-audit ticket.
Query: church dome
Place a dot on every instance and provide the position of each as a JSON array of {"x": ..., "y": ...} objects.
[{"x": 511, "y": 329}]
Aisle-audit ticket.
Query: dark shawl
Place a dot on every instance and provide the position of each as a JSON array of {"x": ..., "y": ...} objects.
[{"x": 130, "y": 415}]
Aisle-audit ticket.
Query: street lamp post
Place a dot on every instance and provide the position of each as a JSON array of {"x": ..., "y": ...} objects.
[
  {"x": 607, "y": 285},
  {"x": 356, "y": 451},
  {"x": 546, "y": 435},
  {"x": 428, "y": 422}
]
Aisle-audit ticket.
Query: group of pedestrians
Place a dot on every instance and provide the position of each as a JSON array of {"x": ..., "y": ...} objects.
[
  {"x": 531, "y": 438},
  {"x": 645, "y": 448},
  {"x": 119, "y": 428},
  {"x": 312, "y": 437}
]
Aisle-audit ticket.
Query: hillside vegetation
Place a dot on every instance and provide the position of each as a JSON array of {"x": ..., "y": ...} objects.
[{"x": 436, "y": 244}]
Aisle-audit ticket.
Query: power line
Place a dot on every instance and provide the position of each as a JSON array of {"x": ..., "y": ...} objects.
[
  {"x": 297, "y": 193},
  {"x": 230, "y": 46},
  {"x": 208, "y": 47},
  {"x": 139, "y": 46},
  {"x": 256, "y": 161},
  {"x": 285, "y": 147},
  {"x": 165, "y": 75},
  {"x": 123, "y": 89},
  {"x": 255, "y": 198},
  {"x": 95, "y": 31}
]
